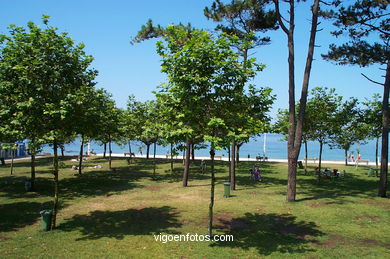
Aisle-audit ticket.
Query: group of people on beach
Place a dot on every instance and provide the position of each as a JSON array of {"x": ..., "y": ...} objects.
[{"x": 351, "y": 157}]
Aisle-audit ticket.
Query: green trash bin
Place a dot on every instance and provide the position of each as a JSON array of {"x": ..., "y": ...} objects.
[
  {"x": 227, "y": 190},
  {"x": 46, "y": 219}
]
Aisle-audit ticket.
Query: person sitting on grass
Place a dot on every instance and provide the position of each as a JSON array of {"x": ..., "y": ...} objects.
[{"x": 255, "y": 173}]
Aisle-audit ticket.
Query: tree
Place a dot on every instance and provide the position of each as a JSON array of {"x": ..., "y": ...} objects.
[
  {"x": 348, "y": 128},
  {"x": 143, "y": 120},
  {"x": 372, "y": 118},
  {"x": 366, "y": 23},
  {"x": 246, "y": 20},
  {"x": 204, "y": 76},
  {"x": 323, "y": 103},
  {"x": 296, "y": 122},
  {"x": 41, "y": 70},
  {"x": 110, "y": 127},
  {"x": 89, "y": 108}
]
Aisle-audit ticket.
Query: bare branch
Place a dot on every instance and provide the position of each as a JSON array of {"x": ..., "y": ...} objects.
[
  {"x": 278, "y": 16},
  {"x": 372, "y": 81}
]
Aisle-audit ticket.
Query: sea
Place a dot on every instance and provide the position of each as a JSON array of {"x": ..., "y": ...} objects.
[{"x": 270, "y": 145}]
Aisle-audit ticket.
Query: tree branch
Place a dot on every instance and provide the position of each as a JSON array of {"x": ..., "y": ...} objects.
[
  {"x": 372, "y": 81},
  {"x": 278, "y": 16}
]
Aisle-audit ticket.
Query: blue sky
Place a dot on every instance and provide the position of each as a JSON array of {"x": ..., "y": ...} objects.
[{"x": 106, "y": 27}]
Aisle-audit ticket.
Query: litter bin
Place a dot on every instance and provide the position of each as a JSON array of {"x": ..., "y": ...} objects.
[
  {"x": 27, "y": 185},
  {"x": 227, "y": 190},
  {"x": 46, "y": 219}
]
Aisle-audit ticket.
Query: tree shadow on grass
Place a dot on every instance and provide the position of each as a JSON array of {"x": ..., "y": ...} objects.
[
  {"x": 20, "y": 214},
  {"x": 90, "y": 184},
  {"x": 269, "y": 233},
  {"x": 118, "y": 224}
]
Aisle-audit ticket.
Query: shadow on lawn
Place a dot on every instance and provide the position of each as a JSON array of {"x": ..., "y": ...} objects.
[
  {"x": 269, "y": 233},
  {"x": 20, "y": 214},
  {"x": 89, "y": 184},
  {"x": 118, "y": 224}
]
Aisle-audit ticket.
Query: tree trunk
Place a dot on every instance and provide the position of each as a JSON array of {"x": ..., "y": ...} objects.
[
  {"x": 193, "y": 152},
  {"x": 376, "y": 153},
  {"x": 233, "y": 167},
  {"x": 109, "y": 153},
  {"x": 55, "y": 203},
  {"x": 171, "y": 157},
  {"x": 320, "y": 156},
  {"x": 238, "y": 154},
  {"x": 295, "y": 131},
  {"x": 33, "y": 171},
  {"x": 229, "y": 154},
  {"x": 385, "y": 135},
  {"x": 319, "y": 163},
  {"x": 211, "y": 206},
  {"x": 81, "y": 153},
  {"x": 105, "y": 149},
  {"x": 62, "y": 151},
  {"x": 147, "y": 150},
  {"x": 12, "y": 160},
  {"x": 346, "y": 156},
  {"x": 305, "y": 157},
  {"x": 154, "y": 160},
  {"x": 186, "y": 164}
]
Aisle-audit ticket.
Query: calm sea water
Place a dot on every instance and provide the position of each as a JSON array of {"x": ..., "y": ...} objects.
[{"x": 275, "y": 148}]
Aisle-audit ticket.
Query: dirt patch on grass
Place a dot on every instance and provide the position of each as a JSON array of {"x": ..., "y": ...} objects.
[
  {"x": 333, "y": 241},
  {"x": 385, "y": 204},
  {"x": 153, "y": 188},
  {"x": 316, "y": 204},
  {"x": 3, "y": 238},
  {"x": 367, "y": 216},
  {"x": 373, "y": 243}
]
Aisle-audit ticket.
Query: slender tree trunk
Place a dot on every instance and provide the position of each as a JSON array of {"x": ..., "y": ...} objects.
[
  {"x": 385, "y": 135},
  {"x": 320, "y": 156},
  {"x": 55, "y": 202},
  {"x": 12, "y": 160},
  {"x": 229, "y": 154},
  {"x": 319, "y": 164},
  {"x": 237, "y": 154},
  {"x": 184, "y": 157},
  {"x": 62, "y": 151},
  {"x": 109, "y": 153},
  {"x": 105, "y": 149},
  {"x": 305, "y": 157},
  {"x": 233, "y": 167},
  {"x": 129, "y": 143},
  {"x": 81, "y": 154},
  {"x": 147, "y": 150},
  {"x": 193, "y": 152},
  {"x": 171, "y": 157},
  {"x": 211, "y": 206},
  {"x": 33, "y": 171},
  {"x": 186, "y": 164},
  {"x": 346, "y": 156},
  {"x": 154, "y": 160},
  {"x": 376, "y": 154}
]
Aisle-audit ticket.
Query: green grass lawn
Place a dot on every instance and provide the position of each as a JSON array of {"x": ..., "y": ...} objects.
[{"x": 115, "y": 214}]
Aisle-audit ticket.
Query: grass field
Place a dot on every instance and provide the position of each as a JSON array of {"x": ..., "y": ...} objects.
[{"x": 115, "y": 214}]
